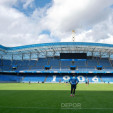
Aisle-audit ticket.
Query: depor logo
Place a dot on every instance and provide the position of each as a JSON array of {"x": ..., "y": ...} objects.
[{"x": 70, "y": 105}]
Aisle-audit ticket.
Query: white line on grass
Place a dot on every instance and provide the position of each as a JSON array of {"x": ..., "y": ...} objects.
[
  {"x": 55, "y": 108},
  {"x": 90, "y": 108}
]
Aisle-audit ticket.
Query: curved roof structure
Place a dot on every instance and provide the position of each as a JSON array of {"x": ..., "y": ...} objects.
[
  {"x": 47, "y": 50},
  {"x": 53, "y": 48},
  {"x": 67, "y": 44}
]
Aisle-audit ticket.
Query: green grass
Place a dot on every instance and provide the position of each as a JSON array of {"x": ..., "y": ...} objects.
[{"x": 48, "y": 98}]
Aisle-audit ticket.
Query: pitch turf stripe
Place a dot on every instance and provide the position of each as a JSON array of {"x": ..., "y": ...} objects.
[
  {"x": 55, "y": 108},
  {"x": 27, "y": 107},
  {"x": 90, "y": 108}
]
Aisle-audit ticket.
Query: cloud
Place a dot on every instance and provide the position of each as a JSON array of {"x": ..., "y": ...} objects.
[
  {"x": 44, "y": 38},
  {"x": 91, "y": 20},
  {"x": 100, "y": 32},
  {"x": 107, "y": 40},
  {"x": 16, "y": 28},
  {"x": 66, "y": 15},
  {"x": 7, "y": 3},
  {"x": 27, "y": 3}
]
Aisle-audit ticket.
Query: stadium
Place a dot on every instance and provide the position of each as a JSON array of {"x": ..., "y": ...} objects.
[
  {"x": 35, "y": 78},
  {"x": 50, "y": 62},
  {"x": 56, "y": 56}
]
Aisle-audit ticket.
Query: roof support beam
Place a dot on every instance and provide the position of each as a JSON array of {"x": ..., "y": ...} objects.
[
  {"x": 12, "y": 57},
  {"x": 100, "y": 54},
  {"x": 30, "y": 55}
]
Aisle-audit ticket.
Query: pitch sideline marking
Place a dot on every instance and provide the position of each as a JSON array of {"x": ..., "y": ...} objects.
[{"x": 56, "y": 108}]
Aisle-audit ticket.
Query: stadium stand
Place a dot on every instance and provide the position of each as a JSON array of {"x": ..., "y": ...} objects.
[
  {"x": 54, "y": 78},
  {"x": 29, "y": 63},
  {"x": 9, "y": 78},
  {"x": 56, "y": 64}
]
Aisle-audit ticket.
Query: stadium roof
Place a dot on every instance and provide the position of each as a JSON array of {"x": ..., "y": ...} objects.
[{"x": 60, "y": 47}]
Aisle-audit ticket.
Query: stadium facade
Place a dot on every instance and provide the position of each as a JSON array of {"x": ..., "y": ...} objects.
[{"x": 42, "y": 62}]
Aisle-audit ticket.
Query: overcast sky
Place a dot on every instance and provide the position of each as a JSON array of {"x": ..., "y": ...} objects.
[{"x": 24, "y": 22}]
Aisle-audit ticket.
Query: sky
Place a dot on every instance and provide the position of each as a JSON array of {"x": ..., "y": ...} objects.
[{"x": 24, "y": 22}]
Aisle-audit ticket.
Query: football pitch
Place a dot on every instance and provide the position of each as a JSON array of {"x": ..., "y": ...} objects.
[{"x": 55, "y": 98}]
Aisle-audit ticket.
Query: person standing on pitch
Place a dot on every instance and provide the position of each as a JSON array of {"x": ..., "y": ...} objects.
[{"x": 73, "y": 81}]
